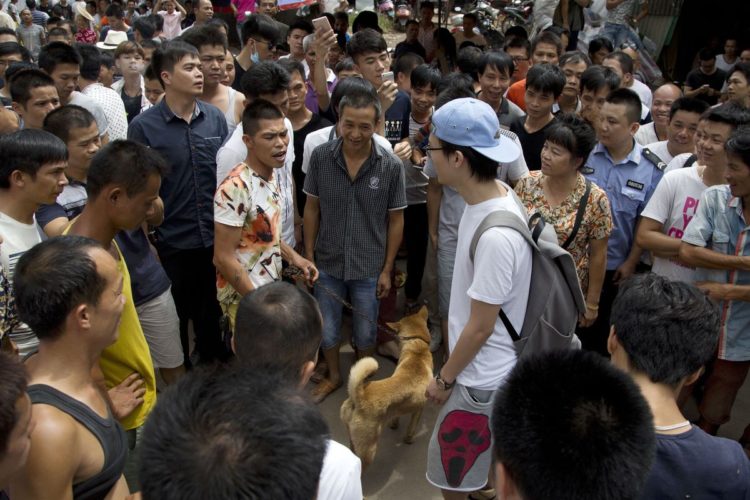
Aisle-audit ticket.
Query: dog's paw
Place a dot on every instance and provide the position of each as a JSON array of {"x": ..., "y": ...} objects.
[
  {"x": 394, "y": 423},
  {"x": 408, "y": 439}
]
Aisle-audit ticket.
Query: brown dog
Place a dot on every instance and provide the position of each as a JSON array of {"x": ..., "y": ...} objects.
[{"x": 373, "y": 403}]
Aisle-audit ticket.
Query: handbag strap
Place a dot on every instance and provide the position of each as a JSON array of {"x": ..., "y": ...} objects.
[{"x": 579, "y": 216}]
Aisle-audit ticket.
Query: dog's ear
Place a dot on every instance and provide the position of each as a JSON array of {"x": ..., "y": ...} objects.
[
  {"x": 423, "y": 312},
  {"x": 396, "y": 327}
]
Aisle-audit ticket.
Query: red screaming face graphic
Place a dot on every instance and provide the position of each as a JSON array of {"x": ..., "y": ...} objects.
[{"x": 463, "y": 436}]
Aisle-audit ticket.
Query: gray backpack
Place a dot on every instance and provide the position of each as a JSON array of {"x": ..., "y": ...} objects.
[{"x": 555, "y": 296}]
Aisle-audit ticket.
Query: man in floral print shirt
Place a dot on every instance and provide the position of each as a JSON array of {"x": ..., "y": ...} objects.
[{"x": 248, "y": 249}]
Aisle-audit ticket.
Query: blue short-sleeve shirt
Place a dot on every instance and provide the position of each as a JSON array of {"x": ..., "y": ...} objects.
[{"x": 629, "y": 185}]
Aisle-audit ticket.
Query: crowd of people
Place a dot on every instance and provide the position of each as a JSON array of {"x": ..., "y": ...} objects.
[{"x": 189, "y": 201}]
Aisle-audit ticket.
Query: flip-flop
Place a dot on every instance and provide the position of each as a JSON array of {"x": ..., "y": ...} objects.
[{"x": 323, "y": 389}]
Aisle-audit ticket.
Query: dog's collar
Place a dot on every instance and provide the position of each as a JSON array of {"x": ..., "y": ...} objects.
[{"x": 414, "y": 337}]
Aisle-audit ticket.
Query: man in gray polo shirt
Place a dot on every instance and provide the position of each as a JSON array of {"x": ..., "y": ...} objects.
[{"x": 353, "y": 222}]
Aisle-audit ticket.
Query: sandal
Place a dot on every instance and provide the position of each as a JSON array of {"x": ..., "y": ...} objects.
[{"x": 323, "y": 389}]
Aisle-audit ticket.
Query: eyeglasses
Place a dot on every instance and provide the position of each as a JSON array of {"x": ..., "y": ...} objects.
[
  {"x": 519, "y": 59},
  {"x": 271, "y": 46},
  {"x": 429, "y": 150}
]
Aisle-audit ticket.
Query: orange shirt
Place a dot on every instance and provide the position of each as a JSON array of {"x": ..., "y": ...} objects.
[{"x": 517, "y": 94}]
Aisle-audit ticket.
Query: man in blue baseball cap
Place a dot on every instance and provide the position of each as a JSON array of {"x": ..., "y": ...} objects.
[{"x": 465, "y": 148}]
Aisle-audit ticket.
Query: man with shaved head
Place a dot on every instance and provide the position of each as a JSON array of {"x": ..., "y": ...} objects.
[{"x": 664, "y": 97}]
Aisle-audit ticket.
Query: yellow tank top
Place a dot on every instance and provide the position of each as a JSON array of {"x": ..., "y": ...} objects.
[{"x": 129, "y": 353}]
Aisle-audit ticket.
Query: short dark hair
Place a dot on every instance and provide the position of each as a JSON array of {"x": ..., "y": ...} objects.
[
  {"x": 157, "y": 20},
  {"x": 549, "y": 38},
  {"x": 669, "y": 329},
  {"x": 22, "y": 83},
  {"x": 467, "y": 61},
  {"x": 366, "y": 19},
  {"x": 546, "y": 78},
  {"x": 54, "y": 277},
  {"x": 265, "y": 77},
  {"x": 589, "y": 433},
  {"x": 61, "y": 121},
  {"x": 342, "y": 16},
  {"x": 8, "y": 31},
  {"x": 13, "y": 382},
  {"x": 262, "y": 26},
  {"x": 291, "y": 66},
  {"x": 360, "y": 101},
  {"x": 630, "y": 100},
  {"x": 150, "y": 43},
  {"x": 514, "y": 42},
  {"x": 425, "y": 75},
  {"x": 574, "y": 57},
  {"x": 427, "y": 5},
  {"x": 303, "y": 25},
  {"x": 10, "y": 48},
  {"x": 57, "y": 31},
  {"x": 498, "y": 60},
  {"x": 729, "y": 113},
  {"x": 115, "y": 10},
  {"x": 356, "y": 88},
  {"x": 600, "y": 43},
  {"x": 217, "y": 22},
  {"x": 412, "y": 21},
  {"x": 739, "y": 145},
  {"x": 346, "y": 64},
  {"x": 106, "y": 60},
  {"x": 740, "y": 67},
  {"x": 625, "y": 61},
  {"x": 91, "y": 61},
  {"x": 365, "y": 41},
  {"x": 406, "y": 63},
  {"x": 203, "y": 36},
  {"x": 170, "y": 54},
  {"x": 471, "y": 15},
  {"x": 516, "y": 31},
  {"x": 688, "y": 104},
  {"x": 598, "y": 77},
  {"x": 454, "y": 86},
  {"x": 574, "y": 134},
  {"x": 150, "y": 74},
  {"x": 481, "y": 167},
  {"x": 125, "y": 163},
  {"x": 56, "y": 53},
  {"x": 259, "y": 109},
  {"x": 28, "y": 150},
  {"x": 232, "y": 433},
  {"x": 279, "y": 328},
  {"x": 706, "y": 54},
  {"x": 145, "y": 25}
]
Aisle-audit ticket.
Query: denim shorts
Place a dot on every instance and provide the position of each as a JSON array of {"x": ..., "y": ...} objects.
[{"x": 362, "y": 294}]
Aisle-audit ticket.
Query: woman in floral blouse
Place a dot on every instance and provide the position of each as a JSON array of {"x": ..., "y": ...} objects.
[{"x": 556, "y": 193}]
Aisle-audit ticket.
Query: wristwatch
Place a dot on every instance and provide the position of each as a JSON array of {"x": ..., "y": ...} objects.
[{"x": 442, "y": 384}]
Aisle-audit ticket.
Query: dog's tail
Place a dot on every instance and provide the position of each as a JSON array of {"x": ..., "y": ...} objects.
[{"x": 361, "y": 371}]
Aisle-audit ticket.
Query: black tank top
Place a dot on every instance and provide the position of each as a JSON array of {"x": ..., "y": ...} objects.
[{"x": 107, "y": 430}]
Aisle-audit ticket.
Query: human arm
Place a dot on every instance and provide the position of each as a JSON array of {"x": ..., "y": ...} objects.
[
  {"x": 226, "y": 241},
  {"x": 564, "y": 12},
  {"x": 611, "y": 4},
  {"x": 387, "y": 95},
  {"x": 650, "y": 237},
  {"x": 180, "y": 8},
  {"x": 311, "y": 224},
  {"x": 157, "y": 7},
  {"x": 123, "y": 398},
  {"x": 53, "y": 437},
  {"x": 393, "y": 242},
  {"x": 725, "y": 291},
  {"x": 597, "y": 269},
  {"x": 697, "y": 256},
  {"x": 627, "y": 268},
  {"x": 158, "y": 216},
  {"x": 324, "y": 40},
  {"x": 642, "y": 13},
  {"x": 434, "y": 197},
  {"x": 477, "y": 330}
]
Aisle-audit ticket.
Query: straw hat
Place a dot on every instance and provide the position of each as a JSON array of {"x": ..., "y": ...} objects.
[{"x": 81, "y": 10}]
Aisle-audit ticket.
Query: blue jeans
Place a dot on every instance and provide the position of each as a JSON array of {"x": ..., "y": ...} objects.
[
  {"x": 362, "y": 295},
  {"x": 620, "y": 33}
]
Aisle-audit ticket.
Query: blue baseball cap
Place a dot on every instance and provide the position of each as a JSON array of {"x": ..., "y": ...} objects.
[{"x": 473, "y": 123}]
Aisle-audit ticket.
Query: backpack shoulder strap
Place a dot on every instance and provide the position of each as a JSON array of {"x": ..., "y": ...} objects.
[
  {"x": 654, "y": 158},
  {"x": 500, "y": 218},
  {"x": 690, "y": 161},
  {"x": 579, "y": 216}
]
